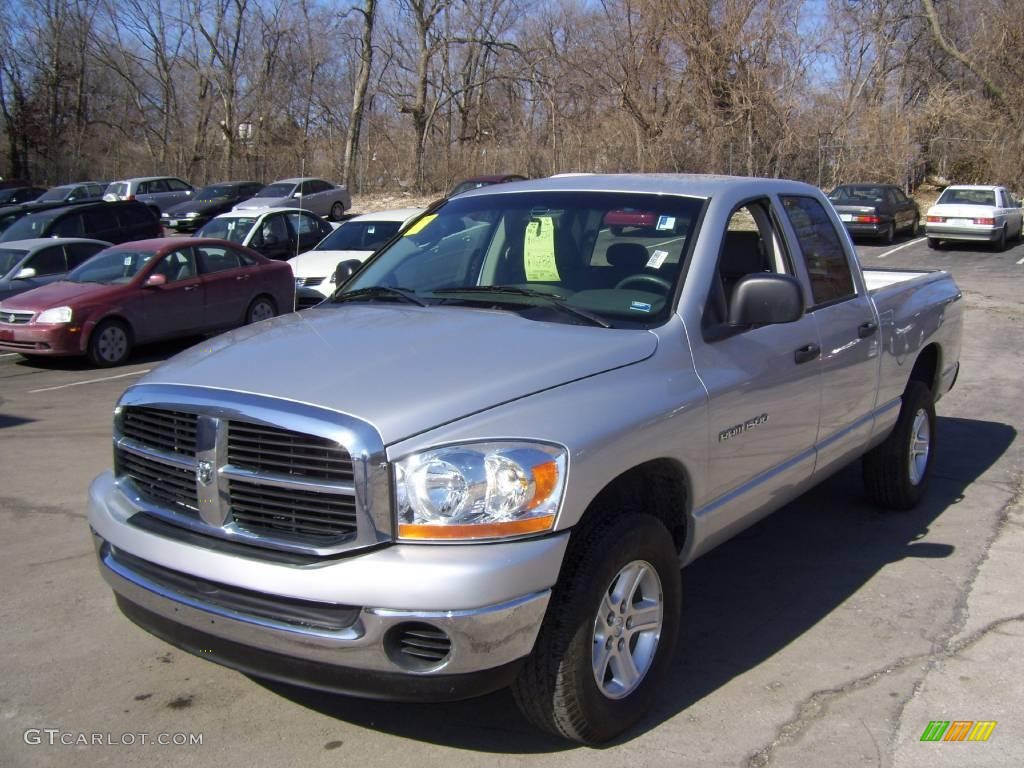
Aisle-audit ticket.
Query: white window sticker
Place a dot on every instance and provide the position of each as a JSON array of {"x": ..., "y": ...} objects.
[
  {"x": 657, "y": 259},
  {"x": 127, "y": 261},
  {"x": 640, "y": 306},
  {"x": 371, "y": 229},
  {"x": 666, "y": 222}
]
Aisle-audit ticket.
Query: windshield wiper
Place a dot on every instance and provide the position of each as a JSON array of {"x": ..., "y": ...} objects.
[
  {"x": 376, "y": 291},
  {"x": 554, "y": 299}
]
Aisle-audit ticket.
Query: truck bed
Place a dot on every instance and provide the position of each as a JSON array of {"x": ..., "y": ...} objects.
[{"x": 876, "y": 279}]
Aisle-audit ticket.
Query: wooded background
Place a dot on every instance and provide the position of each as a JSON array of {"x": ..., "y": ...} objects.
[{"x": 411, "y": 94}]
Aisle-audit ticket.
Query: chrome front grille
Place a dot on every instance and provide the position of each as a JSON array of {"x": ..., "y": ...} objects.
[
  {"x": 301, "y": 282},
  {"x": 251, "y": 482},
  {"x": 262, "y": 509},
  {"x": 160, "y": 483},
  {"x": 13, "y": 317},
  {"x": 272, "y": 450},
  {"x": 165, "y": 430}
]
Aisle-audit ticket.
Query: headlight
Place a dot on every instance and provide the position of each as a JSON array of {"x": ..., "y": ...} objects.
[
  {"x": 479, "y": 491},
  {"x": 56, "y": 316},
  {"x": 192, "y": 215}
]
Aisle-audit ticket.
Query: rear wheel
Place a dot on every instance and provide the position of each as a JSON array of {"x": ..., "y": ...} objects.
[
  {"x": 262, "y": 308},
  {"x": 110, "y": 343},
  {"x": 915, "y": 227},
  {"x": 896, "y": 472},
  {"x": 1000, "y": 244},
  {"x": 609, "y": 632},
  {"x": 934, "y": 244},
  {"x": 890, "y": 233},
  {"x": 337, "y": 211}
]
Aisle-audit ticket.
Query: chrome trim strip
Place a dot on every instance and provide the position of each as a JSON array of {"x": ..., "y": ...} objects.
[
  {"x": 371, "y": 484},
  {"x": 284, "y": 481},
  {"x": 176, "y": 460}
]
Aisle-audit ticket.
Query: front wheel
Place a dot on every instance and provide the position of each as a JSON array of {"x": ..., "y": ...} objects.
[
  {"x": 262, "y": 308},
  {"x": 608, "y": 635},
  {"x": 110, "y": 344},
  {"x": 896, "y": 472},
  {"x": 337, "y": 211}
]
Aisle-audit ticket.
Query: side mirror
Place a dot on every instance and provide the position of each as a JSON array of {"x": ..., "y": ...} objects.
[
  {"x": 25, "y": 274},
  {"x": 297, "y": 195},
  {"x": 766, "y": 299},
  {"x": 345, "y": 270},
  {"x": 155, "y": 281}
]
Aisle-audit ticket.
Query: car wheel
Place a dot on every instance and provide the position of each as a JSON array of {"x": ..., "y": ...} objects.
[
  {"x": 609, "y": 632},
  {"x": 890, "y": 233},
  {"x": 896, "y": 472},
  {"x": 915, "y": 227},
  {"x": 110, "y": 343},
  {"x": 934, "y": 244},
  {"x": 337, "y": 212},
  {"x": 1000, "y": 244},
  {"x": 262, "y": 308}
]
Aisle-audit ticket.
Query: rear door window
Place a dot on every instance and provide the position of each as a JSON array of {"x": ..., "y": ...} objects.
[
  {"x": 79, "y": 253},
  {"x": 69, "y": 226},
  {"x": 216, "y": 259},
  {"x": 99, "y": 220},
  {"x": 821, "y": 248},
  {"x": 177, "y": 185}
]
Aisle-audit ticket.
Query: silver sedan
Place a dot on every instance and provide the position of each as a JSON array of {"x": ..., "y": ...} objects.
[{"x": 314, "y": 195}]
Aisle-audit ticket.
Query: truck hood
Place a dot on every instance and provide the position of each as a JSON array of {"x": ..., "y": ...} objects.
[{"x": 404, "y": 369}]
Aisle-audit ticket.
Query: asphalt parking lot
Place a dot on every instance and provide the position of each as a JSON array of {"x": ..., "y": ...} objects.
[{"x": 827, "y": 635}]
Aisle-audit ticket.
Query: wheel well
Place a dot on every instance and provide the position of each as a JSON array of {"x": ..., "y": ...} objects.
[
  {"x": 156, "y": 211},
  {"x": 926, "y": 367},
  {"x": 116, "y": 319},
  {"x": 658, "y": 488}
]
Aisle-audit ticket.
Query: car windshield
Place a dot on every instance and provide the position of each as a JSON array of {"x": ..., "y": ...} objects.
[
  {"x": 857, "y": 195},
  {"x": 8, "y": 258},
  {"x": 550, "y": 256},
  {"x": 233, "y": 228},
  {"x": 55, "y": 194},
  {"x": 967, "y": 197},
  {"x": 359, "y": 236},
  {"x": 28, "y": 227},
  {"x": 215, "y": 192},
  {"x": 276, "y": 190},
  {"x": 111, "y": 267}
]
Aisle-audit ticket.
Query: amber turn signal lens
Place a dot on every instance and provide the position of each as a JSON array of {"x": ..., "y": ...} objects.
[
  {"x": 480, "y": 531},
  {"x": 545, "y": 479}
]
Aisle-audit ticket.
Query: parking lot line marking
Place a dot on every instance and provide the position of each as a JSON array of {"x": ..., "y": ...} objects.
[
  {"x": 667, "y": 242},
  {"x": 1020, "y": 261},
  {"x": 89, "y": 381},
  {"x": 10, "y": 354},
  {"x": 901, "y": 247}
]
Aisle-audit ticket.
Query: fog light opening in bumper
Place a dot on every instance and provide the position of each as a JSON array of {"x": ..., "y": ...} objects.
[{"x": 416, "y": 646}]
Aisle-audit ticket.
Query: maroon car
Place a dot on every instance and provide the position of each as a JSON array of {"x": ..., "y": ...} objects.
[{"x": 144, "y": 291}]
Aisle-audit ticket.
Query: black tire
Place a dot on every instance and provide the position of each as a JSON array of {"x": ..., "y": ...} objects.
[
  {"x": 890, "y": 233},
  {"x": 891, "y": 478},
  {"x": 337, "y": 212},
  {"x": 557, "y": 690},
  {"x": 1000, "y": 245},
  {"x": 261, "y": 308},
  {"x": 110, "y": 343},
  {"x": 915, "y": 227},
  {"x": 934, "y": 243}
]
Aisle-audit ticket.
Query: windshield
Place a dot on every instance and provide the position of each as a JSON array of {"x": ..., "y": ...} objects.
[
  {"x": 27, "y": 227},
  {"x": 509, "y": 251},
  {"x": 359, "y": 236},
  {"x": 56, "y": 194},
  {"x": 235, "y": 229},
  {"x": 8, "y": 258},
  {"x": 276, "y": 190},
  {"x": 111, "y": 267},
  {"x": 214, "y": 192},
  {"x": 857, "y": 195},
  {"x": 967, "y": 197}
]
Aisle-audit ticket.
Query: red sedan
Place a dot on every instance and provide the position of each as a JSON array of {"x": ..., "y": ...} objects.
[{"x": 145, "y": 291}]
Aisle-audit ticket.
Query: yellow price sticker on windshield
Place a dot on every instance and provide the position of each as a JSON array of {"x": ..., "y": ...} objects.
[
  {"x": 539, "y": 251},
  {"x": 419, "y": 225}
]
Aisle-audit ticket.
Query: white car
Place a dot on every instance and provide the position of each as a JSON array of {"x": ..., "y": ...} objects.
[
  {"x": 277, "y": 233},
  {"x": 321, "y": 197},
  {"x": 357, "y": 239},
  {"x": 974, "y": 212}
]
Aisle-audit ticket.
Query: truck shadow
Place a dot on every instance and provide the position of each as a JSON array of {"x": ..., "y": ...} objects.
[{"x": 742, "y": 603}]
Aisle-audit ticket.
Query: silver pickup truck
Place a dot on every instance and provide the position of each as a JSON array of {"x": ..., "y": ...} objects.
[{"x": 484, "y": 461}]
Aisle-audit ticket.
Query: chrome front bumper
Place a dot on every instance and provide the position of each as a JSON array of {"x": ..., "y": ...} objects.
[{"x": 489, "y": 600}]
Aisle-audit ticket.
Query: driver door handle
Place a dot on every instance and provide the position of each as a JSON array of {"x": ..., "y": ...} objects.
[
  {"x": 241, "y": 277},
  {"x": 867, "y": 329},
  {"x": 190, "y": 287},
  {"x": 806, "y": 353}
]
